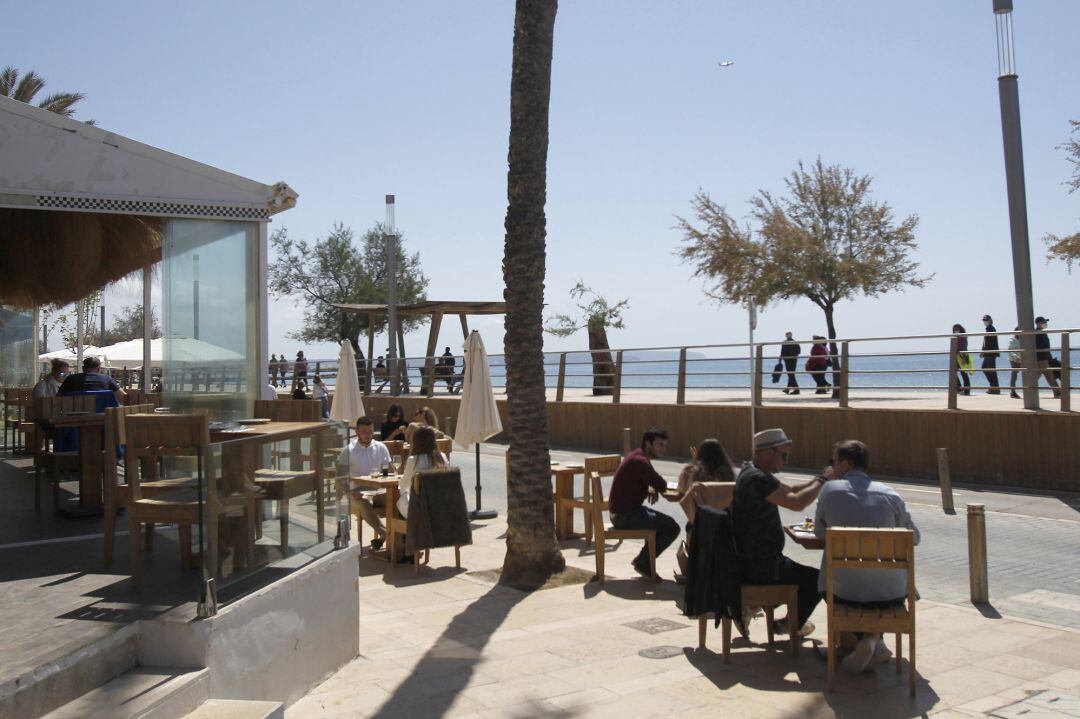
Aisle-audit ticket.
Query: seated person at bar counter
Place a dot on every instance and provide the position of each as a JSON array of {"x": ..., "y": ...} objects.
[
  {"x": 759, "y": 535},
  {"x": 636, "y": 481},
  {"x": 851, "y": 499},
  {"x": 366, "y": 455},
  {"x": 91, "y": 378}
]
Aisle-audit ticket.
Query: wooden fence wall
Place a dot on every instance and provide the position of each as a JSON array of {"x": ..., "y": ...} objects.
[{"x": 1022, "y": 449}]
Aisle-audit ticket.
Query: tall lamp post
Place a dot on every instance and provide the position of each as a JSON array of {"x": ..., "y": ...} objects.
[
  {"x": 391, "y": 296},
  {"x": 1009, "y": 97}
]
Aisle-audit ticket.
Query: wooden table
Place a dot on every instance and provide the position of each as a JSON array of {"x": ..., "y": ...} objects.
[
  {"x": 803, "y": 537},
  {"x": 390, "y": 484},
  {"x": 564, "y": 489},
  {"x": 91, "y": 470},
  {"x": 240, "y": 455}
]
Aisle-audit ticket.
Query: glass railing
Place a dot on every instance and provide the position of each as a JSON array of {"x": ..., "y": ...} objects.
[{"x": 272, "y": 500}]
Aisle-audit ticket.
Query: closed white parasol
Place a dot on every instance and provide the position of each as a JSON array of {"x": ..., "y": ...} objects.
[
  {"x": 478, "y": 417},
  {"x": 348, "y": 405}
]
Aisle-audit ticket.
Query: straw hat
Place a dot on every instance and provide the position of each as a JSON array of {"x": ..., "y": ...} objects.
[{"x": 770, "y": 438}]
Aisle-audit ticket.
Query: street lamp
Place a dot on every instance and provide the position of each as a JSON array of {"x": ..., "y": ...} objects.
[{"x": 1009, "y": 97}]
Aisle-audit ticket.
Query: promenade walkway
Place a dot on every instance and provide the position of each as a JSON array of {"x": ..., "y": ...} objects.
[{"x": 453, "y": 644}]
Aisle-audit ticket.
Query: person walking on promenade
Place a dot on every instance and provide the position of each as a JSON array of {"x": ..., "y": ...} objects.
[
  {"x": 759, "y": 535},
  {"x": 789, "y": 355},
  {"x": 273, "y": 369},
  {"x": 818, "y": 364},
  {"x": 989, "y": 355},
  {"x": 283, "y": 368},
  {"x": 1042, "y": 354},
  {"x": 1016, "y": 360},
  {"x": 851, "y": 499},
  {"x": 964, "y": 363},
  {"x": 634, "y": 483},
  {"x": 300, "y": 369}
]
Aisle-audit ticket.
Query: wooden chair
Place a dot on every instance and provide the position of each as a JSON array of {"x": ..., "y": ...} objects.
[
  {"x": 768, "y": 597},
  {"x": 157, "y": 436},
  {"x": 602, "y": 532},
  {"x": 401, "y": 526},
  {"x": 287, "y": 410},
  {"x": 46, "y": 458},
  {"x": 115, "y": 492},
  {"x": 17, "y": 401},
  {"x": 398, "y": 448},
  {"x": 284, "y": 484},
  {"x": 855, "y": 549},
  {"x": 604, "y": 466}
]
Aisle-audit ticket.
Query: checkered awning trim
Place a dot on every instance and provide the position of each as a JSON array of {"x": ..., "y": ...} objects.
[{"x": 144, "y": 207}]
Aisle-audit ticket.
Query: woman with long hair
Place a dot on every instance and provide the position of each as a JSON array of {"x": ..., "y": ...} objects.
[
  {"x": 963, "y": 360},
  {"x": 424, "y": 455},
  {"x": 709, "y": 462},
  {"x": 423, "y": 417},
  {"x": 394, "y": 426}
]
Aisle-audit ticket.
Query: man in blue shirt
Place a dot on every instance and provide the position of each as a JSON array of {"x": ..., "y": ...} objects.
[
  {"x": 91, "y": 378},
  {"x": 851, "y": 499}
]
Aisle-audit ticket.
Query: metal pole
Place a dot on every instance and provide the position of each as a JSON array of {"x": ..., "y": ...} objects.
[
  {"x": 102, "y": 324},
  {"x": 147, "y": 328},
  {"x": 80, "y": 308},
  {"x": 1009, "y": 98},
  {"x": 391, "y": 297},
  {"x": 480, "y": 513},
  {"x": 195, "y": 290},
  {"x": 754, "y": 383}
]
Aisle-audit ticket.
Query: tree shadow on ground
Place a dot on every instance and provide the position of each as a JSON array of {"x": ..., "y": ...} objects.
[{"x": 447, "y": 667}]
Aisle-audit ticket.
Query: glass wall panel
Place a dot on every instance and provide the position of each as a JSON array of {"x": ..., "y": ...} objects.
[
  {"x": 272, "y": 500},
  {"x": 210, "y": 290},
  {"x": 17, "y": 361}
]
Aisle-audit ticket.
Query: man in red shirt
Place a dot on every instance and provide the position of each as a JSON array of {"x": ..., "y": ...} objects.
[{"x": 635, "y": 482}]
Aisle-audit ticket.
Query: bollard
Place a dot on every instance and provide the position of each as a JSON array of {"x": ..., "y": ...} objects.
[
  {"x": 976, "y": 526},
  {"x": 626, "y": 441},
  {"x": 945, "y": 480}
]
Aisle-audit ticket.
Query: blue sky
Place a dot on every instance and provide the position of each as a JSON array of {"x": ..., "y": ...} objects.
[{"x": 349, "y": 101}]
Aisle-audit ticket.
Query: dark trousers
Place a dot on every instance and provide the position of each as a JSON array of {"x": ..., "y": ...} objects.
[
  {"x": 667, "y": 529},
  {"x": 989, "y": 368},
  {"x": 963, "y": 383},
  {"x": 790, "y": 363},
  {"x": 820, "y": 381},
  {"x": 1012, "y": 375},
  {"x": 805, "y": 578}
]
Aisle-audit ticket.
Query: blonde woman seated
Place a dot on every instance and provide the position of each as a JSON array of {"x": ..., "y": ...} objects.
[
  {"x": 423, "y": 417},
  {"x": 425, "y": 455}
]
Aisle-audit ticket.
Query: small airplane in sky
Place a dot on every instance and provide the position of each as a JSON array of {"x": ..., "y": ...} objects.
[{"x": 726, "y": 63}]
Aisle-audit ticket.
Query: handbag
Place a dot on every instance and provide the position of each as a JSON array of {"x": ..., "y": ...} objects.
[{"x": 776, "y": 371}]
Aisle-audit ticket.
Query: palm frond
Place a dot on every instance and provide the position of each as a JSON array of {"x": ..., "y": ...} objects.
[
  {"x": 30, "y": 84},
  {"x": 62, "y": 103},
  {"x": 8, "y": 77}
]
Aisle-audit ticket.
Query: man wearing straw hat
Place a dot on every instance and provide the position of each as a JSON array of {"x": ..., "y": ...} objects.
[{"x": 759, "y": 535}]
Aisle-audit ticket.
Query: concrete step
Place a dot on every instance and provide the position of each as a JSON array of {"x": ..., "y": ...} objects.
[
  {"x": 158, "y": 692},
  {"x": 67, "y": 672},
  {"x": 238, "y": 709}
]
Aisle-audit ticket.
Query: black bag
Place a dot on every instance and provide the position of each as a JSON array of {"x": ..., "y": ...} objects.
[
  {"x": 1055, "y": 367},
  {"x": 776, "y": 371}
]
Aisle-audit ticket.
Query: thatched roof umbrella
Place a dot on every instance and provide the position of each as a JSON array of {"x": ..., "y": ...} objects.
[{"x": 61, "y": 257}]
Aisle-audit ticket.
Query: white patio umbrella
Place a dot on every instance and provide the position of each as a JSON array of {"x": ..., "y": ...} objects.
[
  {"x": 478, "y": 416},
  {"x": 348, "y": 405}
]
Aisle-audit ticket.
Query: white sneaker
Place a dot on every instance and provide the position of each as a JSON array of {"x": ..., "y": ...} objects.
[
  {"x": 859, "y": 659},
  {"x": 881, "y": 654}
]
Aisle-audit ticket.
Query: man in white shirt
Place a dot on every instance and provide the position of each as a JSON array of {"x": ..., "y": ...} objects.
[{"x": 366, "y": 455}]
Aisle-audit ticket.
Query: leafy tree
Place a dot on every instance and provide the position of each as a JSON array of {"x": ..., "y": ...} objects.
[
  {"x": 128, "y": 325},
  {"x": 532, "y": 554},
  {"x": 24, "y": 89},
  {"x": 335, "y": 271},
  {"x": 1067, "y": 249},
  {"x": 826, "y": 240},
  {"x": 68, "y": 322},
  {"x": 596, "y": 315}
]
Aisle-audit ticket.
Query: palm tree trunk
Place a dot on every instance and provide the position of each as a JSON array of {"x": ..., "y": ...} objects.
[
  {"x": 603, "y": 366},
  {"x": 532, "y": 554}
]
